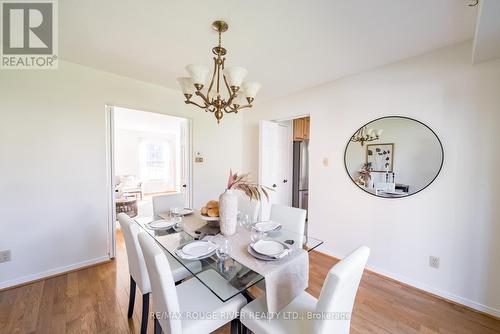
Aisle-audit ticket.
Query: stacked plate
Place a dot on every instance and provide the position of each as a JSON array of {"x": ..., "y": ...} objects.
[
  {"x": 160, "y": 224},
  {"x": 269, "y": 250},
  {"x": 185, "y": 211},
  {"x": 267, "y": 226},
  {"x": 196, "y": 250}
]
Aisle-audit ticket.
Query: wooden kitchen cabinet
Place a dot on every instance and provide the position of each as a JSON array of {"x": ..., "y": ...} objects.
[{"x": 301, "y": 129}]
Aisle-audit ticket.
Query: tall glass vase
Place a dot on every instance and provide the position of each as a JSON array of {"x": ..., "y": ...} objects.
[{"x": 228, "y": 212}]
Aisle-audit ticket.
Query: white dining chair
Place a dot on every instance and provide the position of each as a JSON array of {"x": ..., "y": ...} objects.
[
  {"x": 170, "y": 302},
  {"x": 292, "y": 219},
  {"x": 331, "y": 313},
  {"x": 164, "y": 203},
  {"x": 138, "y": 271},
  {"x": 248, "y": 207}
]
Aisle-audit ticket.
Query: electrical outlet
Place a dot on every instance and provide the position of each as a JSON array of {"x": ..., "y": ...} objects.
[
  {"x": 5, "y": 256},
  {"x": 434, "y": 262}
]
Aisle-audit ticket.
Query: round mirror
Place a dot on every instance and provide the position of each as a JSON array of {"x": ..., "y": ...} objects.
[{"x": 393, "y": 157}]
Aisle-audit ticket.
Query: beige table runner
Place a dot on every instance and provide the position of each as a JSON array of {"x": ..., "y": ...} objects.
[{"x": 285, "y": 279}]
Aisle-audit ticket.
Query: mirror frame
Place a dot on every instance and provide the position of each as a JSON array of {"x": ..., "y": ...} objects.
[{"x": 404, "y": 117}]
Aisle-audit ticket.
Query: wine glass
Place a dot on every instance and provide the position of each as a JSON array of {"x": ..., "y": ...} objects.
[
  {"x": 177, "y": 220},
  {"x": 256, "y": 235},
  {"x": 245, "y": 221},
  {"x": 224, "y": 249}
]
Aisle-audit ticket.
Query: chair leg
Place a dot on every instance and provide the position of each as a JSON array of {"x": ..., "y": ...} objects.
[
  {"x": 234, "y": 326},
  {"x": 145, "y": 312},
  {"x": 157, "y": 327},
  {"x": 243, "y": 329},
  {"x": 131, "y": 299}
]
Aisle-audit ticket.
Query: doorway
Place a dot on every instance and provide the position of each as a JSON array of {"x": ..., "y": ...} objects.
[
  {"x": 149, "y": 155},
  {"x": 284, "y": 162}
]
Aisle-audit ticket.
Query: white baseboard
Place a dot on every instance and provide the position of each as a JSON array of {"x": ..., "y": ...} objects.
[
  {"x": 425, "y": 287},
  {"x": 52, "y": 272}
]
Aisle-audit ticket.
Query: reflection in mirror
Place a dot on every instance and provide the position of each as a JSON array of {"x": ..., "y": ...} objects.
[{"x": 393, "y": 157}]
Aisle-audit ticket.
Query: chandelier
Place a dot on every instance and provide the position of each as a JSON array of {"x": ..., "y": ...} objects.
[
  {"x": 363, "y": 135},
  {"x": 239, "y": 95}
]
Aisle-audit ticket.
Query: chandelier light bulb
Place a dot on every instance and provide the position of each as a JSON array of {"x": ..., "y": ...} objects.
[
  {"x": 235, "y": 75},
  {"x": 199, "y": 73},
  {"x": 251, "y": 88},
  {"x": 186, "y": 84}
]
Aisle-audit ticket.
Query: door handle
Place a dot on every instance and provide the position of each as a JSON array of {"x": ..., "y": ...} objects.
[
  {"x": 285, "y": 181},
  {"x": 274, "y": 185},
  {"x": 184, "y": 186}
]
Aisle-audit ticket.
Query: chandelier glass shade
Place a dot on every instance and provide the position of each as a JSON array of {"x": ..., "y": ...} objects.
[
  {"x": 239, "y": 94},
  {"x": 366, "y": 135}
]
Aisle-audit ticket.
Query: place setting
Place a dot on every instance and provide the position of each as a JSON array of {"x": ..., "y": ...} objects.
[
  {"x": 267, "y": 250},
  {"x": 197, "y": 250},
  {"x": 173, "y": 220}
]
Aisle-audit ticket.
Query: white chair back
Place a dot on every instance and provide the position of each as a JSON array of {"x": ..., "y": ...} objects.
[
  {"x": 164, "y": 203},
  {"x": 136, "y": 264},
  {"x": 165, "y": 300},
  {"x": 339, "y": 291},
  {"x": 292, "y": 219},
  {"x": 248, "y": 207}
]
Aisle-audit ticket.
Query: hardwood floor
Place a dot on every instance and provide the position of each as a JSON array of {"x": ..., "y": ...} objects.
[{"x": 94, "y": 300}]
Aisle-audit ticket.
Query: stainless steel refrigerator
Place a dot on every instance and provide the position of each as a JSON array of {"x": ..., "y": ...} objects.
[{"x": 300, "y": 174}]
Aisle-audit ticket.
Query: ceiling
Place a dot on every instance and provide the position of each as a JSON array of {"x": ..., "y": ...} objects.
[{"x": 285, "y": 45}]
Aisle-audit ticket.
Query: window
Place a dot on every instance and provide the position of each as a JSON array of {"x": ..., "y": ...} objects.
[{"x": 155, "y": 160}]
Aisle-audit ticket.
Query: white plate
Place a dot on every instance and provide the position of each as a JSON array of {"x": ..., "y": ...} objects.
[
  {"x": 268, "y": 247},
  {"x": 185, "y": 211},
  {"x": 209, "y": 219},
  {"x": 184, "y": 256},
  {"x": 160, "y": 224},
  {"x": 199, "y": 248},
  {"x": 267, "y": 226},
  {"x": 265, "y": 257}
]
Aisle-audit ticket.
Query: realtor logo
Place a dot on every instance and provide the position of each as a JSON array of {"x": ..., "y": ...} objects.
[{"x": 29, "y": 34}]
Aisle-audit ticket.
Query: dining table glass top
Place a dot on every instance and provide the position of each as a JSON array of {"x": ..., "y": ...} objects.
[{"x": 237, "y": 277}]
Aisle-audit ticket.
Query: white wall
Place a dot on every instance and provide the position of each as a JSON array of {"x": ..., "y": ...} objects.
[
  {"x": 52, "y": 148},
  {"x": 456, "y": 218}
]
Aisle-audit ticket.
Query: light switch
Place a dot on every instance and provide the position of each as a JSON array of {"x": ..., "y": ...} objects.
[{"x": 325, "y": 162}]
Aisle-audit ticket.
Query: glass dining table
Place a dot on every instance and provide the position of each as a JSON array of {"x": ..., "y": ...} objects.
[{"x": 237, "y": 278}]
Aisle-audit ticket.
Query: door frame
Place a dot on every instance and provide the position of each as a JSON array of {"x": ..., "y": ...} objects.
[
  {"x": 110, "y": 170},
  {"x": 277, "y": 120}
]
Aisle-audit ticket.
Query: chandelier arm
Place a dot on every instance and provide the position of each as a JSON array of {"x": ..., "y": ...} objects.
[
  {"x": 245, "y": 106},
  {"x": 213, "y": 78},
  {"x": 227, "y": 86},
  {"x": 232, "y": 95},
  {"x": 196, "y": 104},
  {"x": 218, "y": 79},
  {"x": 200, "y": 94}
]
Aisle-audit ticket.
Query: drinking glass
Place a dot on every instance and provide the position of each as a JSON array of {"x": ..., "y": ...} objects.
[
  {"x": 177, "y": 219},
  {"x": 174, "y": 211},
  {"x": 245, "y": 221},
  {"x": 224, "y": 249},
  {"x": 256, "y": 235}
]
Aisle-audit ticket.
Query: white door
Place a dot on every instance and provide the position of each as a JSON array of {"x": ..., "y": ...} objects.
[
  {"x": 275, "y": 161},
  {"x": 185, "y": 168}
]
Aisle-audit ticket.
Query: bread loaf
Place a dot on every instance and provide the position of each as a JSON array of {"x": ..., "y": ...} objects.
[
  {"x": 213, "y": 212},
  {"x": 212, "y": 204},
  {"x": 204, "y": 210}
]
